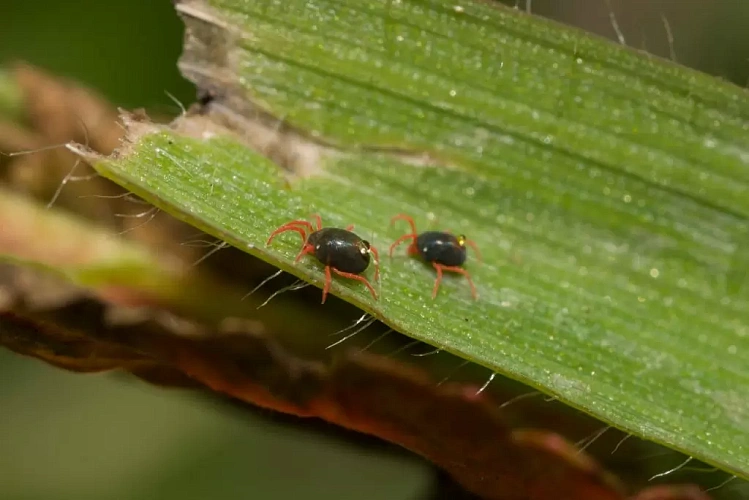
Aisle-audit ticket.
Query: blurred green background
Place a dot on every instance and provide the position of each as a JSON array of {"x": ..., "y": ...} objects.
[{"x": 66, "y": 436}]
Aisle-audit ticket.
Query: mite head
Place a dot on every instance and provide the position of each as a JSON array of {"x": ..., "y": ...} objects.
[
  {"x": 365, "y": 249},
  {"x": 461, "y": 240}
]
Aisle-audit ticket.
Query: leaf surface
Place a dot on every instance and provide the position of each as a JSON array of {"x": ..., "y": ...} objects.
[{"x": 605, "y": 189}]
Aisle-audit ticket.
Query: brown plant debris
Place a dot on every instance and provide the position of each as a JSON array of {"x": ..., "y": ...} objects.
[{"x": 449, "y": 424}]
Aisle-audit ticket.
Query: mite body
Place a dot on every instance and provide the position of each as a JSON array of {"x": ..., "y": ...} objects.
[
  {"x": 442, "y": 249},
  {"x": 341, "y": 251}
]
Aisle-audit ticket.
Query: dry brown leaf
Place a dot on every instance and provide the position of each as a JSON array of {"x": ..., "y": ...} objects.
[{"x": 450, "y": 424}]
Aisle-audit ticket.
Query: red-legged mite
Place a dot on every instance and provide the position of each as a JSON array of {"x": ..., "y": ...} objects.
[
  {"x": 340, "y": 250},
  {"x": 442, "y": 249}
]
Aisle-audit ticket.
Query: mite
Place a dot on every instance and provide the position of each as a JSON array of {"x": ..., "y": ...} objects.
[
  {"x": 340, "y": 250},
  {"x": 442, "y": 249}
]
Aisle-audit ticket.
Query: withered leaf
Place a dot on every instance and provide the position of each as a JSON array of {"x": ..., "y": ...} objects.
[{"x": 448, "y": 424}]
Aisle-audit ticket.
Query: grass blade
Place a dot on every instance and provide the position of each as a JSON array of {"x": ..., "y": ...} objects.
[{"x": 606, "y": 190}]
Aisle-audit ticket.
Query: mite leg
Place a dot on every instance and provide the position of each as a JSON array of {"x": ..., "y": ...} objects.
[
  {"x": 307, "y": 248},
  {"x": 400, "y": 240},
  {"x": 377, "y": 261},
  {"x": 357, "y": 278},
  {"x": 454, "y": 269},
  {"x": 328, "y": 280},
  {"x": 292, "y": 226},
  {"x": 475, "y": 249},
  {"x": 405, "y": 218}
]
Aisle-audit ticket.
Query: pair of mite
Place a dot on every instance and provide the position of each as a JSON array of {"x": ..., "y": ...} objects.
[{"x": 347, "y": 255}]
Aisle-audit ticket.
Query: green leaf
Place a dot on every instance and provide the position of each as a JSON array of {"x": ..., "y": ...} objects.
[
  {"x": 606, "y": 190},
  {"x": 83, "y": 253},
  {"x": 101, "y": 263}
]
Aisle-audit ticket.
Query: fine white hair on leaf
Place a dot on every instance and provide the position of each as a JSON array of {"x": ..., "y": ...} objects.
[
  {"x": 615, "y": 24},
  {"x": 138, "y": 215},
  {"x": 718, "y": 486},
  {"x": 404, "y": 348},
  {"x": 297, "y": 285},
  {"x": 453, "y": 372},
  {"x": 127, "y": 196},
  {"x": 428, "y": 353},
  {"x": 620, "y": 443},
  {"x": 200, "y": 244},
  {"x": 183, "y": 110},
  {"x": 519, "y": 398},
  {"x": 356, "y": 323},
  {"x": 69, "y": 177},
  {"x": 669, "y": 38},
  {"x": 586, "y": 442},
  {"x": 671, "y": 471},
  {"x": 366, "y": 325},
  {"x": 147, "y": 215},
  {"x": 216, "y": 247},
  {"x": 486, "y": 384},
  {"x": 263, "y": 283},
  {"x": 380, "y": 337}
]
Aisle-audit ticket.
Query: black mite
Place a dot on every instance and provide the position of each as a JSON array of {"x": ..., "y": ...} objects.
[
  {"x": 340, "y": 250},
  {"x": 442, "y": 249}
]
